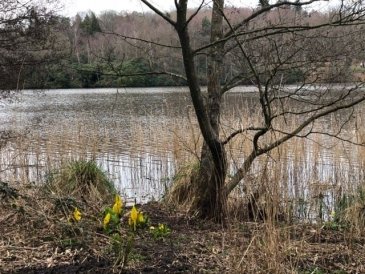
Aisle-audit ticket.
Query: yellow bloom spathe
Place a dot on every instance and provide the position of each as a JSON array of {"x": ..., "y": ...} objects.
[
  {"x": 117, "y": 207},
  {"x": 141, "y": 219},
  {"x": 106, "y": 220},
  {"x": 77, "y": 214},
  {"x": 133, "y": 218}
]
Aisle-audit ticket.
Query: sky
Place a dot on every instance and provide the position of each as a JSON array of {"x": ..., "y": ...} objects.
[{"x": 71, "y": 7}]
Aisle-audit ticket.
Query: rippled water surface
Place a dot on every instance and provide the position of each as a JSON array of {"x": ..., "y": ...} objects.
[{"x": 137, "y": 134}]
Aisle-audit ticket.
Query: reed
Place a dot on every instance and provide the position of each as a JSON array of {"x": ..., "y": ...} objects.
[
  {"x": 304, "y": 181},
  {"x": 310, "y": 172}
]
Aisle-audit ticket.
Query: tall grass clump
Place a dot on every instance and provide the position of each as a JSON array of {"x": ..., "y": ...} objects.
[
  {"x": 349, "y": 211},
  {"x": 81, "y": 179},
  {"x": 181, "y": 193}
]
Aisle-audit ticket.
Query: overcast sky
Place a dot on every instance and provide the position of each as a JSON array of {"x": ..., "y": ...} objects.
[
  {"x": 74, "y": 6},
  {"x": 71, "y": 7}
]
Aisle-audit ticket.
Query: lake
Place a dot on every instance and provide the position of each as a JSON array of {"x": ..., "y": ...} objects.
[{"x": 141, "y": 136}]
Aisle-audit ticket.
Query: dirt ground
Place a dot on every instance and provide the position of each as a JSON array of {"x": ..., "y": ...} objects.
[{"x": 36, "y": 239}]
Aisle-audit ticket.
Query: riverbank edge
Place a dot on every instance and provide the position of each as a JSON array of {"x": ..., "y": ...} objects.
[{"x": 37, "y": 238}]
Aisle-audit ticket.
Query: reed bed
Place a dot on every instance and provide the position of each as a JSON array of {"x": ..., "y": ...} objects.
[
  {"x": 301, "y": 176},
  {"x": 312, "y": 185}
]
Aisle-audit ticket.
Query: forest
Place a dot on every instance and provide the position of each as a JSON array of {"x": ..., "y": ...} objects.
[{"x": 122, "y": 49}]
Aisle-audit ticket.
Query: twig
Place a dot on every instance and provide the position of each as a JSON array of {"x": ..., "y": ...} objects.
[{"x": 245, "y": 253}]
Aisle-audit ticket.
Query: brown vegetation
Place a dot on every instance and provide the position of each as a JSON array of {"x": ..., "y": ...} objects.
[
  {"x": 285, "y": 232},
  {"x": 37, "y": 237}
]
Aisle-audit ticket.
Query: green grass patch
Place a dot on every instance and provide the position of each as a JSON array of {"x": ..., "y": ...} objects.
[{"x": 81, "y": 179}]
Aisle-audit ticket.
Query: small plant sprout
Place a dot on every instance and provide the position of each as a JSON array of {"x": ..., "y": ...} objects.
[
  {"x": 162, "y": 227},
  {"x": 160, "y": 232},
  {"x": 333, "y": 214},
  {"x": 77, "y": 215}
]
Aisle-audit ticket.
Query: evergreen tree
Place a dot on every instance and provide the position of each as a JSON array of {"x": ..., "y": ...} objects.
[
  {"x": 90, "y": 24},
  {"x": 263, "y": 3}
]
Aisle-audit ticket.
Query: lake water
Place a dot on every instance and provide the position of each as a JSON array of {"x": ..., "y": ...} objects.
[{"x": 140, "y": 135}]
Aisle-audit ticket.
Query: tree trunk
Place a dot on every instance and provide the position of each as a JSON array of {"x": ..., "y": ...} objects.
[{"x": 211, "y": 198}]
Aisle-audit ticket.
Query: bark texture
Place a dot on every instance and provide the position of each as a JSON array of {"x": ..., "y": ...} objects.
[{"x": 210, "y": 197}]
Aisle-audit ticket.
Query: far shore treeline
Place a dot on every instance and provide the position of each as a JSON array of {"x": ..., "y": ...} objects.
[{"x": 114, "y": 49}]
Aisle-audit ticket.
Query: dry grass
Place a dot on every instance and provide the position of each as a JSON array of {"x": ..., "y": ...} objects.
[
  {"x": 36, "y": 231},
  {"x": 181, "y": 193},
  {"x": 299, "y": 185},
  {"x": 298, "y": 249},
  {"x": 37, "y": 236},
  {"x": 81, "y": 179}
]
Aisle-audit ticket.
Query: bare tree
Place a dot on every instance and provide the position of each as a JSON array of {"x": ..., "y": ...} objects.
[
  {"x": 28, "y": 34},
  {"x": 268, "y": 45}
]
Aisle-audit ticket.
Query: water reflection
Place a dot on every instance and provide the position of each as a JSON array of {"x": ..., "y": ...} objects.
[{"x": 137, "y": 136}]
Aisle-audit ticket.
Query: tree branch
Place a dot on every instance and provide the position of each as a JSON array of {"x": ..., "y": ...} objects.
[
  {"x": 274, "y": 30},
  {"x": 241, "y": 172},
  {"x": 141, "y": 40},
  {"x": 196, "y": 12},
  {"x": 235, "y": 133},
  {"x": 160, "y": 13},
  {"x": 266, "y": 9}
]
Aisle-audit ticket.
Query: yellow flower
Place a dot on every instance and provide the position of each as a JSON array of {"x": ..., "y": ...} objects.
[
  {"x": 77, "y": 215},
  {"x": 133, "y": 217},
  {"x": 141, "y": 218},
  {"x": 117, "y": 207},
  {"x": 106, "y": 220}
]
